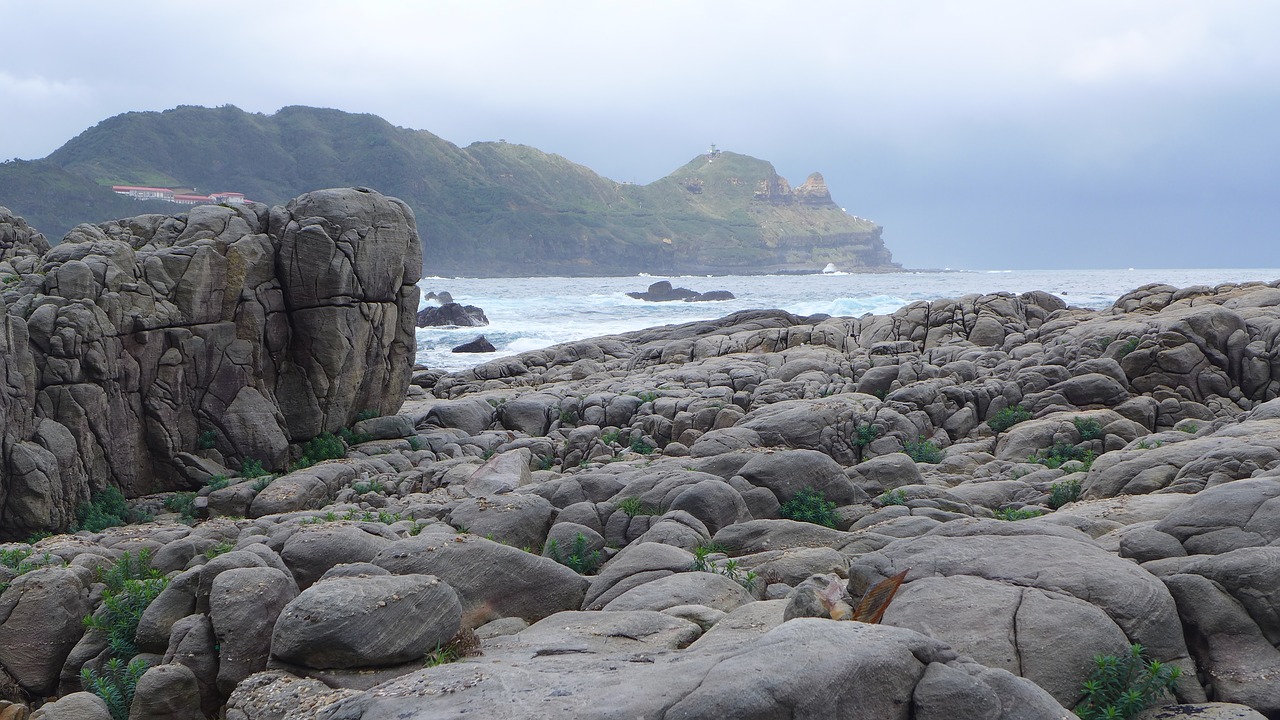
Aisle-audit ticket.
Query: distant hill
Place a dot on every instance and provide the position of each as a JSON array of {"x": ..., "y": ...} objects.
[{"x": 486, "y": 209}]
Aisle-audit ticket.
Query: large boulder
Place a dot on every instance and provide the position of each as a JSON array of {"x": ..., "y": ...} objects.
[
  {"x": 348, "y": 622},
  {"x": 41, "y": 619},
  {"x": 492, "y": 580}
]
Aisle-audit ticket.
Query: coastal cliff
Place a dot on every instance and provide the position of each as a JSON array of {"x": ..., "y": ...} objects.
[{"x": 487, "y": 209}]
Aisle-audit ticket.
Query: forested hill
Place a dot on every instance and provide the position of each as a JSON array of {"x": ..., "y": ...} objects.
[{"x": 491, "y": 208}]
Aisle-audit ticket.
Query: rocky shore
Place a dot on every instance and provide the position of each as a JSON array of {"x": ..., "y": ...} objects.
[{"x": 671, "y": 523}]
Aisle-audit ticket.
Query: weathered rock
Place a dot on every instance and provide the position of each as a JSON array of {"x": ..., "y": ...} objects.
[
  {"x": 243, "y": 606},
  {"x": 41, "y": 619},
  {"x": 478, "y": 345},
  {"x": 76, "y": 706},
  {"x": 366, "y": 621},
  {"x": 492, "y": 580},
  {"x": 451, "y": 314},
  {"x": 167, "y": 692}
]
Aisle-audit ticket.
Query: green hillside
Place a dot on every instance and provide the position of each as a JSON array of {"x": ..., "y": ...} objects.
[{"x": 487, "y": 209}]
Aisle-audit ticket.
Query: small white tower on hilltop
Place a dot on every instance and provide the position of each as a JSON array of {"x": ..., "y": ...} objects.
[{"x": 714, "y": 150}]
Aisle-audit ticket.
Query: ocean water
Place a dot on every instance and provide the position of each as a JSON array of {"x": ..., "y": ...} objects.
[{"x": 532, "y": 313}]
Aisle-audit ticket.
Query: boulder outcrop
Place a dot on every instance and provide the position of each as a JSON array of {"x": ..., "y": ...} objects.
[{"x": 227, "y": 332}]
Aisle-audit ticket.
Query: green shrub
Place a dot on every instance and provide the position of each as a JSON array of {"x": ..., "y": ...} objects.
[
  {"x": 633, "y": 507},
  {"x": 924, "y": 451},
  {"x": 1008, "y": 417},
  {"x": 610, "y": 437},
  {"x": 1063, "y": 492},
  {"x": 580, "y": 559},
  {"x": 1021, "y": 514},
  {"x": 568, "y": 416},
  {"x": 1089, "y": 428},
  {"x": 897, "y": 496},
  {"x": 1061, "y": 453},
  {"x": 367, "y": 414},
  {"x": 106, "y": 509},
  {"x": 325, "y": 446},
  {"x": 116, "y": 684},
  {"x": 208, "y": 439},
  {"x": 221, "y": 548},
  {"x": 182, "y": 503},
  {"x": 1192, "y": 428},
  {"x": 415, "y": 442},
  {"x": 349, "y": 437},
  {"x": 648, "y": 396},
  {"x": 261, "y": 483},
  {"x": 729, "y": 568},
  {"x": 1129, "y": 346},
  {"x": 131, "y": 585},
  {"x": 18, "y": 562},
  {"x": 252, "y": 468},
  {"x": 1121, "y": 687},
  {"x": 811, "y": 506},
  {"x": 639, "y": 445},
  {"x": 864, "y": 435}
]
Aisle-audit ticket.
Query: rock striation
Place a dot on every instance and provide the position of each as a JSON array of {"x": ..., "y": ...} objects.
[{"x": 132, "y": 346}]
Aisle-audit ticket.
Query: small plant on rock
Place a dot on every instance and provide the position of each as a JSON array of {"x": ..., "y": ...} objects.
[
  {"x": 923, "y": 451},
  {"x": 182, "y": 503},
  {"x": 1129, "y": 346},
  {"x": 217, "y": 482},
  {"x": 1012, "y": 514},
  {"x": 116, "y": 684},
  {"x": 1008, "y": 417},
  {"x": 639, "y": 445},
  {"x": 864, "y": 435},
  {"x": 1062, "y": 453},
  {"x": 1089, "y": 428},
  {"x": 252, "y": 468},
  {"x": 221, "y": 548},
  {"x": 1121, "y": 687},
  {"x": 633, "y": 507},
  {"x": 897, "y": 496},
  {"x": 581, "y": 559},
  {"x": 208, "y": 439},
  {"x": 325, "y": 446},
  {"x": 610, "y": 437},
  {"x": 1063, "y": 492},
  {"x": 811, "y": 506},
  {"x": 107, "y": 508}
]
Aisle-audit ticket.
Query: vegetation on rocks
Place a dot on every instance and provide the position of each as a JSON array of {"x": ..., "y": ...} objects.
[
  {"x": 107, "y": 508},
  {"x": 1008, "y": 417},
  {"x": 579, "y": 558},
  {"x": 1123, "y": 686},
  {"x": 811, "y": 506},
  {"x": 923, "y": 451},
  {"x": 131, "y": 584}
]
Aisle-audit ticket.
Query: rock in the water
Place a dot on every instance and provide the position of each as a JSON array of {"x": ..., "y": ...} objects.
[
  {"x": 479, "y": 345},
  {"x": 662, "y": 291},
  {"x": 451, "y": 314}
]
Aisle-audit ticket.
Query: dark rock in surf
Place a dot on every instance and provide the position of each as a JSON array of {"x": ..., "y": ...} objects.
[
  {"x": 479, "y": 345},
  {"x": 662, "y": 291},
  {"x": 451, "y": 314}
]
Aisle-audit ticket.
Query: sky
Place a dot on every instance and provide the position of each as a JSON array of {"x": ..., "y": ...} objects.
[{"x": 983, "y": 134}]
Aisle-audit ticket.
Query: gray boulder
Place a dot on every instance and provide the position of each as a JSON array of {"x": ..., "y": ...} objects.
[
  {"x": 366, "y": 621},
  {"x": 167, "y": 692},
  {"x": 243, "y": 606},
  {"x": 41, "y": 619},
  {"x": 492, "y": 580}
]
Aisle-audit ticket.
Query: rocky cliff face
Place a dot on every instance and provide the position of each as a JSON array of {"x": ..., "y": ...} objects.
[{"x": 136, "y": 343}]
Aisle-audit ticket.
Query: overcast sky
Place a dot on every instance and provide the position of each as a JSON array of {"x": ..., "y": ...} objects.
[{"x": 980, "y": 133}]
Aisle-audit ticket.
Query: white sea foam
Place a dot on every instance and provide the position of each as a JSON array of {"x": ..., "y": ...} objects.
[{"x": 533, "y": 313}]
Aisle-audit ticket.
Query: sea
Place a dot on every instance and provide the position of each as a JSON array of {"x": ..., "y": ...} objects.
[{"x": 532, "y": 313}]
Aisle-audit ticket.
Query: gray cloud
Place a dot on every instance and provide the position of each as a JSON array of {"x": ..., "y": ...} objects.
[{"x": 981, "y": 134}]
